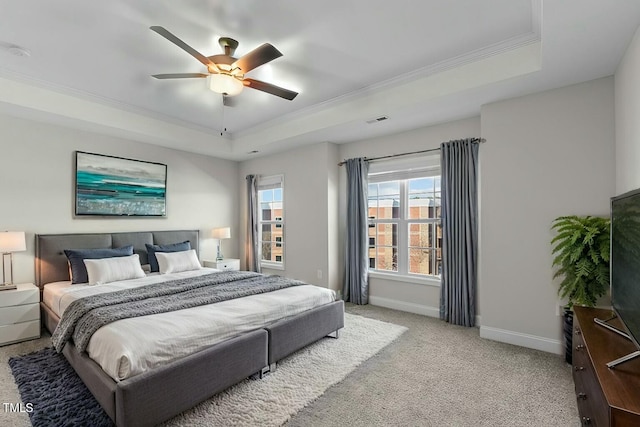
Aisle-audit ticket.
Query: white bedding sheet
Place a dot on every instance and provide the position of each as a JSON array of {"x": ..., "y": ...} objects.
[{"x": 129, "y": 347}]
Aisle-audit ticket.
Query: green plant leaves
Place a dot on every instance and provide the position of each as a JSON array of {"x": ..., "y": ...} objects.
[{"x": 581, "y": 257}]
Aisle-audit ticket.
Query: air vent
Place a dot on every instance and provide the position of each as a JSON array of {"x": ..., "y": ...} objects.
[{"x": 378, "y": 119}]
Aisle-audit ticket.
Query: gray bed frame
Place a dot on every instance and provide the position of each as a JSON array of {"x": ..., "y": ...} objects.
[{"x": 159, "y": 394}]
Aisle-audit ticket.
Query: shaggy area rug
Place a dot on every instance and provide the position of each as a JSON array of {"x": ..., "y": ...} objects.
[
  {"x": 300, "y": 379},
  {"x": 57, "y": 396}
]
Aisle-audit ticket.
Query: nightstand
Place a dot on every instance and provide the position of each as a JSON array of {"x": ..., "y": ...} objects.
[
  {"x": 19, "y": 314},
  {"x": 225, "y": 264}
]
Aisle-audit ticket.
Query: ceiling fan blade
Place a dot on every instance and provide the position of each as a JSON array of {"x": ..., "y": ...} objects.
[
  {"x": 269, "y": 88},
  {"x": 180, "y": 76},
  {"x": 257, "y": 57},
  {"x": 229, "y": 101},
  {"x": 182, "y": 45}
]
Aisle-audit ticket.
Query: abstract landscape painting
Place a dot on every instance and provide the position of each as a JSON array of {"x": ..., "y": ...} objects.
[{"x": 113, "y": 186}]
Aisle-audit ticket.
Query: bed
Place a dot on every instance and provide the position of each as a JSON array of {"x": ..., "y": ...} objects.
[{"x": 160, "y": 392}]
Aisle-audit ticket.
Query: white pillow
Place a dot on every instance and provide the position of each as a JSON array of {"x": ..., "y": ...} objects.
[
  {"x": 107, "y": 270},
  {"x": 174, "y": 262}
]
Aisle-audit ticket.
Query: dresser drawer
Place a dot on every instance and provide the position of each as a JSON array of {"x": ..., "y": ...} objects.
[
  {"x": 24, "y": 294},
  {"x": 231, "y": 265},
  {"x": 19, "y": 314},
  {"x": 225, "y": 264},
  {"x": 592, "y": 406},
  {"x": 596, "y": 407},
  {"x": 580, "y": 357},
  {"x": 19, "y": 332}
]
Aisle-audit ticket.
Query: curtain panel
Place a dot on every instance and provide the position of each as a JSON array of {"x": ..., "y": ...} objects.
[
  {"x": 459, "y": 164},
  {"x": 356, "y": 283},
  {"x": 252, "y": 243}
]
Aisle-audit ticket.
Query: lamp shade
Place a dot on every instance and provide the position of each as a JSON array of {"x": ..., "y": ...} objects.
[
  {"x": 222, "y": 233},
  {"x": 12, "y": 241},
  {"x": 226, "y": 84}
]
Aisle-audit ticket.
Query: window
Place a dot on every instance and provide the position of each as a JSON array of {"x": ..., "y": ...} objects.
[
  {"x": 271, "y": 214},
  {"x": 405, "y": 231}
]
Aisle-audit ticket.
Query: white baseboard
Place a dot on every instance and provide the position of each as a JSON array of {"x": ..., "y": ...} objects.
[
  {"x": 523, "y": 340},
  {"x": 409, "y": 307},
  {"x": 487, "y": 332}
]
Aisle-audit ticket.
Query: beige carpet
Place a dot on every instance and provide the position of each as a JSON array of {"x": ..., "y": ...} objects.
[
  {"x": 299, "y": 379},
  {"x": 437, "y": 374}
]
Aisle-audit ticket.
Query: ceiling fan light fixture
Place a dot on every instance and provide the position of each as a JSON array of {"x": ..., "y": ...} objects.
[
  {"x": 226, "y": 73},
  {"x": 225, "y": 84}
]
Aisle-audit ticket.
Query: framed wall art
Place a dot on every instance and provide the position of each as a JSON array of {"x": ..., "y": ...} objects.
[{"x": 115, "y": 186}]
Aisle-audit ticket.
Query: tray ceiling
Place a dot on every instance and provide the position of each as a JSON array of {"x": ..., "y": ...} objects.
[{"x": 89, "y": 64}]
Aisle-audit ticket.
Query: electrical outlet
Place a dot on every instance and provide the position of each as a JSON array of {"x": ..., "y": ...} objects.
[{"x": 319, "y": 274}]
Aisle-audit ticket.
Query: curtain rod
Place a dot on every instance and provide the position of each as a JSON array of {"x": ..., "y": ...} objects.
[{"x": 476, "y": 140}]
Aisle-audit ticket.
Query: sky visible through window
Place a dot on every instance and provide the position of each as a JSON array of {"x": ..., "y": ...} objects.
[
  {"x": 271, "y": 195},
  {"x": 391, "y": 189}
]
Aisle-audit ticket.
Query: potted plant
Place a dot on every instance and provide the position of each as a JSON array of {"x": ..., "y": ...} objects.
[{"x": 581, "y": 260}]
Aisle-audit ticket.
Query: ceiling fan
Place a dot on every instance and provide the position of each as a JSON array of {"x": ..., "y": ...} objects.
[{"x": 226, "y": 74}]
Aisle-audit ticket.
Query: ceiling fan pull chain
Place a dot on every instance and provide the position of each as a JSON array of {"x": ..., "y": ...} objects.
[{"x": 222, "y": 123}]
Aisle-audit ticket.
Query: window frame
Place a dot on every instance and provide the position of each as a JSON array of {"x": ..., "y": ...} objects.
[
  {"x": 268, "y": 183},
  {"x": 402, "y": 172}
]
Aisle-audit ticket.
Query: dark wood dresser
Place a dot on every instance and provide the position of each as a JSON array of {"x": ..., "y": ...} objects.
[{"x": 606, "y": 397}]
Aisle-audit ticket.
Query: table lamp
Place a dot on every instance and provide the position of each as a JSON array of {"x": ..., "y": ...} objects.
[
  {"x": 221, "y": 233},
  {"x": 10, "y": 242}
]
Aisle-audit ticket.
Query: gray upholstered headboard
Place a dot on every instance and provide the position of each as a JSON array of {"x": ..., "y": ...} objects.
[{"x": 51, "y": 262}]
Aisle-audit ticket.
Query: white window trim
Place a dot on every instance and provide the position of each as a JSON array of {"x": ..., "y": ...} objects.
[
  {"x": 406, "y": 278},
  {"x": 272, "y": 265},
  {"x": 266, "y": 183}
]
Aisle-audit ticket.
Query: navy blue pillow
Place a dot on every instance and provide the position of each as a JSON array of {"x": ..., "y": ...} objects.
[
  {"x": 76, "y": 259},
  {"x": 173, "y": 247}
]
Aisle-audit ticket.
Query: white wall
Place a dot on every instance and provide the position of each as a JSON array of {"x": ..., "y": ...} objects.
[
  {"x": 402, "y": 295},
  {"x": 627, "y": 105},
  {"x": 334, "y": 244},
  {"x": 37, "y": 187},
  {"x": 547, "y": 155},
  {"x": 309, "y": 210}
]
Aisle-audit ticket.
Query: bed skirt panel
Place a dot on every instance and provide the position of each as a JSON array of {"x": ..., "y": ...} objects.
[
  {"x": 293, "y": 333},
  {"x": 157, "y": 395},
  {"x": 97, "y": 381},
  {"x": 49, "y": 318}
]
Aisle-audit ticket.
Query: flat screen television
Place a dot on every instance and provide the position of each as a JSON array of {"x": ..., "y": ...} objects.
[{"x": 625, "y": 264}]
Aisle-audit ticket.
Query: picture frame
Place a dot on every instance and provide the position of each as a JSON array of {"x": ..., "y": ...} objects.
[{"x": 116, "y": 186}]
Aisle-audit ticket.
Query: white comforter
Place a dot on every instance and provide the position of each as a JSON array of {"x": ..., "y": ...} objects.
[{"x": 131, "y": 346}]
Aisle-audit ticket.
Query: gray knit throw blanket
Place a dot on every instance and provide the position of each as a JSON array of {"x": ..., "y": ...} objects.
[{"x": 86, "y": 315}]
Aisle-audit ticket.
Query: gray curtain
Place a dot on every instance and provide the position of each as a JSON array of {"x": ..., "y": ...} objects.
[
  {"x": 252, "y": 246},
  {"x": 459, "y": 164},
  {"x": 356, "y": 283}
]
